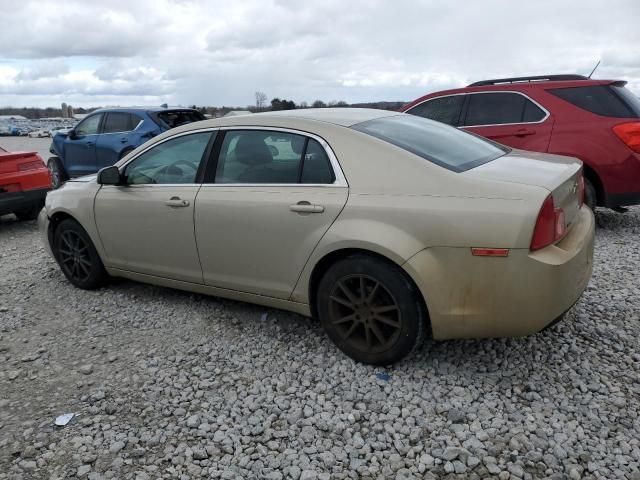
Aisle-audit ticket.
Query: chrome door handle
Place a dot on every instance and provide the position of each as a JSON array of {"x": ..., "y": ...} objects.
[
  {"x": 176, "y": 202},
  {"x": 306, "y": 207}
]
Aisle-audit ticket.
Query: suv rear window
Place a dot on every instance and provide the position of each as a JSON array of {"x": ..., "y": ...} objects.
[
  {"x": 606, "y": 100},
  {"x": 441, "y": 144},
  {"x": 175, "y": 118}
]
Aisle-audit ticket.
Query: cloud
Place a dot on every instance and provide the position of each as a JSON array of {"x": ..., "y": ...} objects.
[{"x": 214, "y": 53}]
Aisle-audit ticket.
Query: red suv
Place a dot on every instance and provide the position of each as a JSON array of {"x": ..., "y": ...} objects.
[{"x": 597, "y": 121}]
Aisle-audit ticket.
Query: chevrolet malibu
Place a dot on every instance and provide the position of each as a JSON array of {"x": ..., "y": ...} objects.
[{"x": 385, "y": 226}]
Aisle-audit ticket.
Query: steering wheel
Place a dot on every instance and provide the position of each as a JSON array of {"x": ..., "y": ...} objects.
[{"x": 173, "y": 169}]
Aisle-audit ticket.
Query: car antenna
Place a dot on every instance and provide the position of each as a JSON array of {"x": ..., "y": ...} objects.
[{"x": 594, "y": 68}]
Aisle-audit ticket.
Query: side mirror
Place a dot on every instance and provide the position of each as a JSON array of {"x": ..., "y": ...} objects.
[
  {"x": 110, "y": 176},
  {"x": 72, "y": 134}
]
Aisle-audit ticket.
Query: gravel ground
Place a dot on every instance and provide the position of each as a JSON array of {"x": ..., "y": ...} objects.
[{"x": 166, "y": 384}]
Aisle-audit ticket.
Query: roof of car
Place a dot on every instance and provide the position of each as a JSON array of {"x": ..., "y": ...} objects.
[
  {"x": 140, "y": 109},
  {"x": 345, "y": 116},
  {"x": 515, "y": 85}
]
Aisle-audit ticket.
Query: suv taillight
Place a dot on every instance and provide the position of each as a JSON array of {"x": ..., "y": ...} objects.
[
  {"x": 550, "y": 225},
  {"x": 629, "y": 133}
]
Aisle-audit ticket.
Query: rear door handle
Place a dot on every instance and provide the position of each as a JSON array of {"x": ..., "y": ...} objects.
[
  {"x": 176, "y": 202},
  {"x": 306, "y": 207},
  {"x": 523, "y": 132}
]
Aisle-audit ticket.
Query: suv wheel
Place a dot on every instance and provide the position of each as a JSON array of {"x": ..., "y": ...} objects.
[
  {"x": 371, "y": 310},
  {"x": 56, "y": 171}
]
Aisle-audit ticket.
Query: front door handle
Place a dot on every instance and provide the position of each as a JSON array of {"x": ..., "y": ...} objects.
[
  {"x": 176, "y": 202},
  {"x": 306, "y": 207}
]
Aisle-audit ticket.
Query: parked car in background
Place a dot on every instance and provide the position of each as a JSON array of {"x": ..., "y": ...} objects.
[
  {"x": 597, "y": 121},
  {"x": 42, "y": 133},
  {"x": 24, "y": 182},
  {"x": 105, "y": 136},
  {"x": 385, "y": 226},
  {"x": 56, "y": 130}
]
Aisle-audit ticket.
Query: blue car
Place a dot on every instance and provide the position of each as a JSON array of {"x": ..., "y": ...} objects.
[{"x": 105, "y": 136}]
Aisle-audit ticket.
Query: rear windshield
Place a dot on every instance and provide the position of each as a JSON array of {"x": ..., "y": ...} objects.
[
  {"x": 175, "y": 118},
  {"x": 441, "y": 144},
  {"x": 606, "y": 100}
]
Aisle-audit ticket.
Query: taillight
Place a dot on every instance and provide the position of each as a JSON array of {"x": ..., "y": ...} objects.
[
  {"x": 629, "y": 133},
  {"x": 550, "y": 225},
  {"x": 33, "y": 165},
  {"x": 581, "y": 188}
]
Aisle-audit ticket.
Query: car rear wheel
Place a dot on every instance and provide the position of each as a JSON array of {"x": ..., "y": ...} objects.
[
  {"x": 77, "y": 256},
  {"x": 371, "y": 310},
  {"x": 56, "y": 171}
]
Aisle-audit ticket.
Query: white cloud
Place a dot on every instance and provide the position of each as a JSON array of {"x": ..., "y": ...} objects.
[{"x": 214, "y": 53}]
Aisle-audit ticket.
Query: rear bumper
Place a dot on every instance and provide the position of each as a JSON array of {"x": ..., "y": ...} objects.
[
  {"x": 13, "y": 201},
  {"x": 476, "y": 297}
]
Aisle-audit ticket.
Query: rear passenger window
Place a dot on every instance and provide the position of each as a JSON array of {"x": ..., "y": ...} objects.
[
  {"x": 117, "y": 122},
  {"x": 260, "y": 156},
  {"x": 532, "y": 112},
  {"x": 443, "y": 109},
  {"x": 598, "y": 99},
  {"x": 494, "y": 109},
  {"x": 316, "y": 167}
]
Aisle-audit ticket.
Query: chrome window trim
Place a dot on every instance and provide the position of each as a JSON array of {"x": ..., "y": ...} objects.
[
  {"x": 340, "y": 180},
  {"x": 546, "y": 116}
]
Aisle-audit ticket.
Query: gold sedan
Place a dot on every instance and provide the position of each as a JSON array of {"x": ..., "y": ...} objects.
[{"x": 385, "y": 226}]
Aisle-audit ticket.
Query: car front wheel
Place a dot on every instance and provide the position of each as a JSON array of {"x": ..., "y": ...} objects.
[
  {"x": 77, "y": 256},
  {"x": 56, "y": 171},
  {"x": 371, "y": 310}
]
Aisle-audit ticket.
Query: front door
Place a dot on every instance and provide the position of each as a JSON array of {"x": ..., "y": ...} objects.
[
  {"x": 80, "y": 148},
  {"x": 146, "y": 225},
  {"x": 274, "y": 196}
]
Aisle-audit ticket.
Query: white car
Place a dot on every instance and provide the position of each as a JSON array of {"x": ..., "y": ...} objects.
[
  {"x": 39, "y": 134},
  {"x": 52, "y": 133}
]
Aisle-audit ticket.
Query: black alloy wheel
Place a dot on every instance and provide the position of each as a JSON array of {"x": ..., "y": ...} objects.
[
  {"x": 77, "y": 256},
  {"x": 371, "y": 309}
]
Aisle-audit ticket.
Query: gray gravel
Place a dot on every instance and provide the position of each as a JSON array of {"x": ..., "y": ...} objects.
[{"x": 166, "y": 384}]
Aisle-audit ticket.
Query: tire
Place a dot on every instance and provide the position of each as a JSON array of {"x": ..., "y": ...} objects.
[
  {"x": 77, "y": 257},
  {"x": 30, "y": 213},
  {"x": 590, "y": 197},
  {"x": 57, "y": 172},
  {"x": 347, "y": 298}
]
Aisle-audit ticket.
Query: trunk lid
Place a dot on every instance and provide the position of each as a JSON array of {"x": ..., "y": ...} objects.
[
  {"x": 9, "y": 160},
  {"x": 557, "y": 174}
]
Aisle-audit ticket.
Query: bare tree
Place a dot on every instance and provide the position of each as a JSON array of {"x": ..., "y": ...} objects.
[{"x": 261, "y": 100}]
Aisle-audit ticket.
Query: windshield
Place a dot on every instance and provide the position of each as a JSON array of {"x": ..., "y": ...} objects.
[
  {"x": 632, "y": 101},
  {"x": 441, "y": 144},
  {"x": 175, "y": 118}
]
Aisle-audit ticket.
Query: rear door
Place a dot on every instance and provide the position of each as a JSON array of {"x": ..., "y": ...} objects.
[
  {"x": 273, "y": 195},
  {"x": 510, "y": 118},
  {"x": 115, "y": 137},
  {"x": 80, "y": 151}
]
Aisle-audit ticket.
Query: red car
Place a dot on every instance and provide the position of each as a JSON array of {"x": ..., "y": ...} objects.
[
  {"x": 24, "y": 183},
  {"x": 597, "y": 121}
]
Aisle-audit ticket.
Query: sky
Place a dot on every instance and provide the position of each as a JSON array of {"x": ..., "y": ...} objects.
[{"x": 211, "y": 52}]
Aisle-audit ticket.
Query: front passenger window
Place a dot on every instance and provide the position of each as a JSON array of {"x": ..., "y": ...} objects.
[
  {"x": 174, "y": 161},
  {"x": 89, "y": 126}
]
